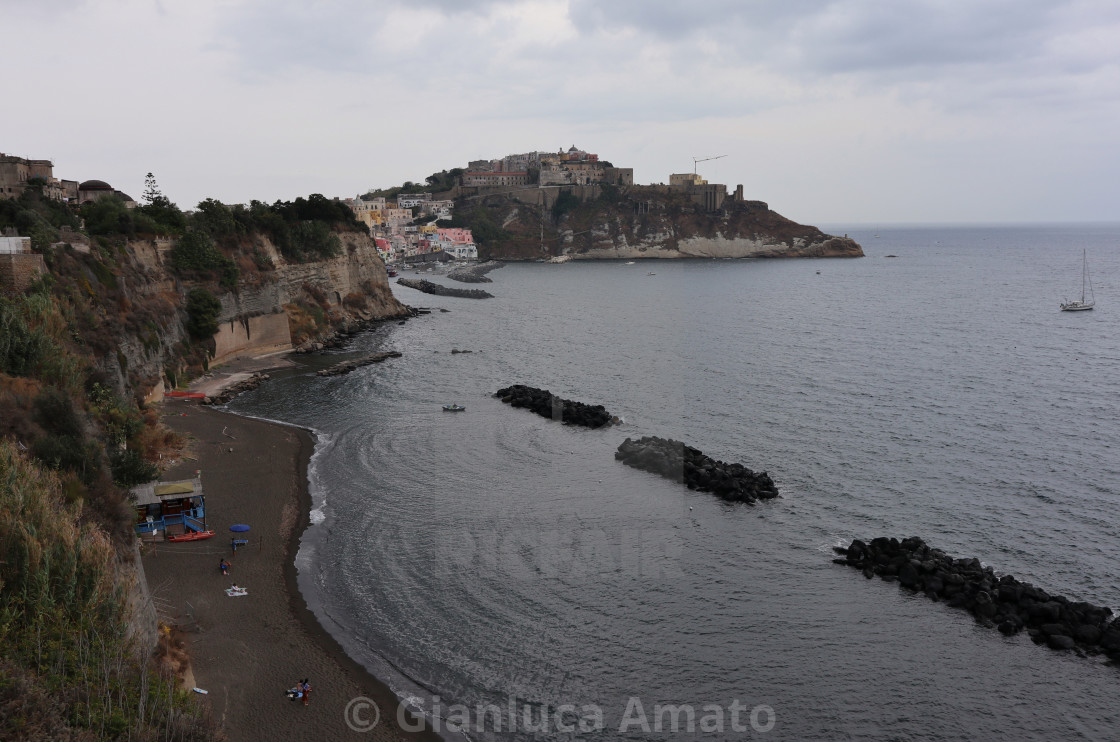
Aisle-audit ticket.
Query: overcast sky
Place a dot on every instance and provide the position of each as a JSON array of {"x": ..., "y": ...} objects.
[{"x": 872, "y": 111}]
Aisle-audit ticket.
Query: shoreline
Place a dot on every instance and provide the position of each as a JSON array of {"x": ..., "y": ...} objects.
[{"x": 245, "y": 652}]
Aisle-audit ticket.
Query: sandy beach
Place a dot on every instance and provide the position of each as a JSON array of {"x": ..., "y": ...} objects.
[{"x": 245, "y": 651}]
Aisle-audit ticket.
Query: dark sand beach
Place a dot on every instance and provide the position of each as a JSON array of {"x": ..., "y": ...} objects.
[{"x": 245, "y": 651}]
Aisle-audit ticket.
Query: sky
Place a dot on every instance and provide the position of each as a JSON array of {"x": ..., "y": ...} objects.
[{"x": 832, "y": 111}]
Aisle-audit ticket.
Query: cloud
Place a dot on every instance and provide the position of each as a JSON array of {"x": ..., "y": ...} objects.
[{"x": 281, "y": 98}]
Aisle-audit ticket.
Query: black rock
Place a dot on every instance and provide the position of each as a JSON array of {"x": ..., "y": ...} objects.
[
  {"x": 680, "y": 463},
  {"x": 545, "y": 404},
  {"x": 998, "y": 601}
]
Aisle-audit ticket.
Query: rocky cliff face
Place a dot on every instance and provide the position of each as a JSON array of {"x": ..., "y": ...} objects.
[
  {"x": 352, "y": 286},
  {"x": 651, "y": 222}
]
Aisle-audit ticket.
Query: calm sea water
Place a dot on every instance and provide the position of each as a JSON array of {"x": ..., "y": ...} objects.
[{"x": 495, "y": 557}]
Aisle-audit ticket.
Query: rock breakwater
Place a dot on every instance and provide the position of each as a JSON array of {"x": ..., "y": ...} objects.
[
  {"x": 475, "y": 273},
  {"x": 347, "y": 366},
  {"x": 231, "y": 391},
  {"x": 547, "y": 404},
  {"x": 1000, "y": 601},
  {"x": 680, "y": 463},
  {"x": 434, "y": 288}
]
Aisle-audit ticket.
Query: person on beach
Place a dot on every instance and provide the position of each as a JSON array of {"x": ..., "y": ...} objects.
[
  {"x": 224, "y": 566},
  {"x": 305, "y": 686}
]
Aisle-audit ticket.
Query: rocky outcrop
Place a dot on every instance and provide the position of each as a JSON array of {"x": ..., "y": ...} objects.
[
  {"x": 546, "y": 404},
  {"x": 638, "y": 222},
  {"x": 680, "y": 463},
  {"x": 474, "y": 273},
  {"x": 1002, "y": 602},
  {"x": 434, "y": 288},
  {"x": 231, "y": 391}
]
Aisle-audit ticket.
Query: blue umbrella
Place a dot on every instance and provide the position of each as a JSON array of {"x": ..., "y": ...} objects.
[{"x": 240, "y": 527}]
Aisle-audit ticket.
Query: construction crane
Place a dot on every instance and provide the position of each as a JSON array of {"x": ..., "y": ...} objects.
[{"x": 703, "y": 159}]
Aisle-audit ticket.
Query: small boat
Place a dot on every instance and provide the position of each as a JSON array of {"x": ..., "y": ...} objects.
[
  {"x": 454, "y": 408},
  {"x": 1081, "y": 305},
  {"x": 191, "y": 536},
  {"x": 630, "y": 263},
  {"x": 392, "y": 272},
  {"x": 651, "y": 273}
]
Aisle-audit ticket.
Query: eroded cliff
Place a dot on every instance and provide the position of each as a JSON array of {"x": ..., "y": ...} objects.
[{"x": 275, "y": 304}]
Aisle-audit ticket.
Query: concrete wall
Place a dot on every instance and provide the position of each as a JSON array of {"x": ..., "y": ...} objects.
[{"x": 267, "y": 333}]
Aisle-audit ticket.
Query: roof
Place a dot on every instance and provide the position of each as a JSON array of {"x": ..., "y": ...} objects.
[
  {"x": 94, "y": 185},
  {"x": 154, "y": 493}
]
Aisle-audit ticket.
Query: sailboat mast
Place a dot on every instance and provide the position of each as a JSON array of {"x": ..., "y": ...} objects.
[{"x": 1084, "y": 273}]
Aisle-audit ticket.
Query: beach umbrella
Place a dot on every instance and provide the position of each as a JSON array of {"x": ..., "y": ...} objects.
[{"x": 239, "y": 528}]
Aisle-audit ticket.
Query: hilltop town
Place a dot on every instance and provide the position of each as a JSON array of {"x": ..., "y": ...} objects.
[
  {"x": 417, "y": 224},
  {"x": 538, "y": 205}
]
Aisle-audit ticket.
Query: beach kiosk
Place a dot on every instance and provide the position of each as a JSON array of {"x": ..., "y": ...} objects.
[{"x": 175, "y": 509}]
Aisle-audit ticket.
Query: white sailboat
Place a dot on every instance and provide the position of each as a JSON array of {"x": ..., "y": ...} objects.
[{"x": 1082, "y": 305}]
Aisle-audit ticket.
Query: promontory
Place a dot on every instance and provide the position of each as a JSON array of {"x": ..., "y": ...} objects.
[{"x": 602, "y": 221}]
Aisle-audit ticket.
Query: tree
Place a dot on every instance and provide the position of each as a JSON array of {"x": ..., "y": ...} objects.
[
  {"x": 167, "y": 217},
  {"x": 152, "y": 195}
]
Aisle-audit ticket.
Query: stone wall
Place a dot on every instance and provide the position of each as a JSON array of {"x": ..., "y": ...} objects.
[{"x": 17, "y": 272}]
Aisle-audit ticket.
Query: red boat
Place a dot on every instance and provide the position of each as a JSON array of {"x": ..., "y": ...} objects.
[{"x": 192, "y": 536}]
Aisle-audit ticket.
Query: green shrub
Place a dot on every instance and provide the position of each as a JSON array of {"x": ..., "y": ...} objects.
[
  {"x": 130, "y": 468},
  {"x": 203, "y": 309},
  {"x": 108, "y": 216},
  {"x": 196, "y": 251},
  {"x": 565, "y": 202},
  {"x": 54, "y": 411}
]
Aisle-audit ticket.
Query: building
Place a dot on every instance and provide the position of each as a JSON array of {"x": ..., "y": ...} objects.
[
  {"x": 92, "y": 190},
  {"x": 412, "y": 200},
  {"x": 708, "y": 196},
  {"x": 368, "y": 210},
  {"x": 492, "y": 179},
  {"x": 394, "y": 218},
  {"x": 384, "y": 248},
  {"x": 14, "y": 245},
  {"x": 19, "y": 267},
  {"x": 456, "y": 242},
  {"x": 440, "y": 209},
  {"x": 685, "y": 180},
  {"x": 521, "y": 162},
  {"x": 16, "y": 172},
  {"x": 170, "y": 508}
]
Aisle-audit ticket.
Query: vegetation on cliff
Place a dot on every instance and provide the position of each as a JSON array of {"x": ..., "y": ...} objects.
[
  {"x": 439, "y": 182},
  {"x": 68, "y": 447},
  {"x": 67, "y": 669}
]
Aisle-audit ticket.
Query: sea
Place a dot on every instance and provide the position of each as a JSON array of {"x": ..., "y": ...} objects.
[{"x": 511, "y": 580}]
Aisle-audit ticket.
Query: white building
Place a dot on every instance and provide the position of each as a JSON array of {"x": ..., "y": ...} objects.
[{"x": 411, "y": 200}]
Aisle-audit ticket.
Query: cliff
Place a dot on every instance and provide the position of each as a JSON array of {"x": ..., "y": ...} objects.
[
  {"x": 275, "y": 305},
  {"x": 605, "y": 222}
]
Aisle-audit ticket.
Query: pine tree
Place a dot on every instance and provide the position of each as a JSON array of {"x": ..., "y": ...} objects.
[{"x": 152, "y": 195}]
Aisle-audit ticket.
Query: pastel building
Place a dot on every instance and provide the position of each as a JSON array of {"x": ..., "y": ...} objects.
[{"x": 457, "y": 242}]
